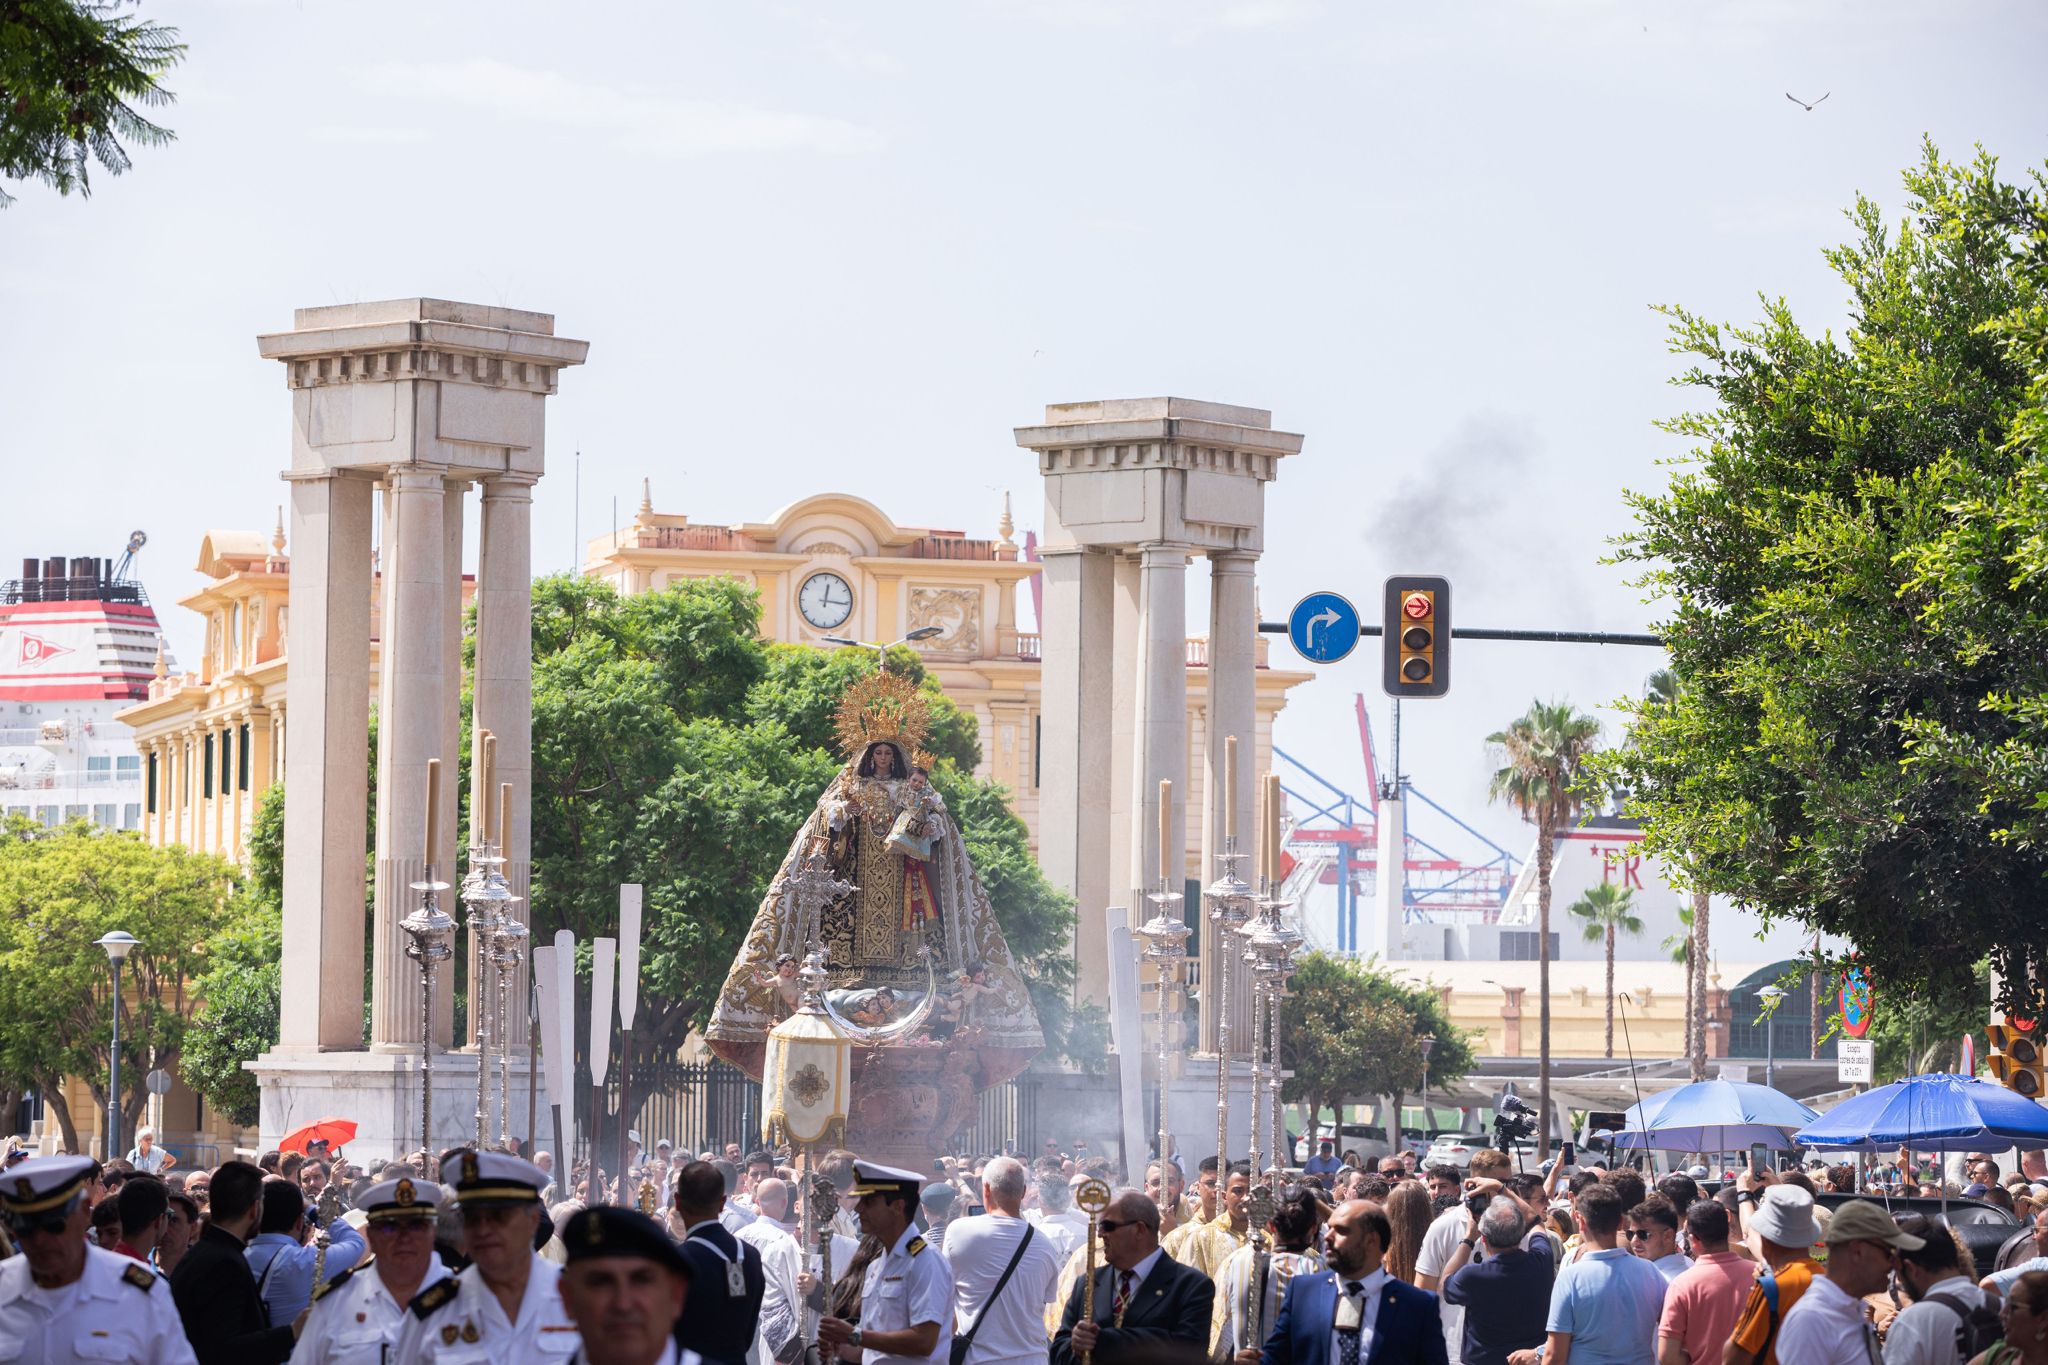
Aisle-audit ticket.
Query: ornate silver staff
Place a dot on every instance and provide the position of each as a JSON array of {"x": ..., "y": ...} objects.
[
  {"x": 489, "y": 902},
  {"x": 428, "y": 930},
  {"x": 1164, "y": 940},
  {"x": 1230, "y": 905}
]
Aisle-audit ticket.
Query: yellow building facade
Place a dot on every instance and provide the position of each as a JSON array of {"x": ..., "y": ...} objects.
[{"x": 836, "y": 567}]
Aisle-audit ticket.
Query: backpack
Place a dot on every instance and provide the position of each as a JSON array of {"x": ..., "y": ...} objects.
[{"x": 1979, "y": 1329}]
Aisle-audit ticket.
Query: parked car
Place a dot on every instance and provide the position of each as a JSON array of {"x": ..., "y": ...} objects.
[
  {"x": 1455, "y": 1149},
  {"x": 1983, "y": 1227}
]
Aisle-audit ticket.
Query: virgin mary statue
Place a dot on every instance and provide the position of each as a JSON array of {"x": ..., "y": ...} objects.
[{"x": 911, "y": 949}]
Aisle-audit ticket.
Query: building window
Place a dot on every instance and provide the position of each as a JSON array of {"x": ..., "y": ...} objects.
[
  {"x": 103, "y": 816},
  {"x": 131, "y": 815},
  {"x": 149, "y": 792},
  {"x": 99, "y": 770},
  {"x": 242, "y": 758},
  {"x": 49, "y": 815},
  {"x": 1037, "y": 747},
  {"x": 128, "y": 766},
  {"x": 1519, "y": 945},
  {"x": 227, "y": 766},
  {"x": 206, "y": 768},
  {"x": 74, "y": 813}
]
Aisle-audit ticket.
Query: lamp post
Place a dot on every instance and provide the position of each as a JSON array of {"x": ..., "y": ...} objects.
[
  {"x": 1770, "y": 995},
  {"x": 1428, "y": 1042},
  {"x": 117, "y": 945},
  {"x": 882, "y": 651}
]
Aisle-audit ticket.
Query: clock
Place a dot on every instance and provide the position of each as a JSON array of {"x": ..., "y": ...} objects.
[{"x": 825, "y": 600}]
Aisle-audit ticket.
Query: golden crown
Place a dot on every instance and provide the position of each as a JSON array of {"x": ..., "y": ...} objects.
[{"x": 884, "y": 706}]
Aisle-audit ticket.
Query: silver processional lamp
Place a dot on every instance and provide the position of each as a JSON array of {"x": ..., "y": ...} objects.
[
  {"x": 429, "y": 931},
  {"x": 489, "y": 901},
  {"x": 1230, "y": 908},
  {"x": 1164, "y": 942}
]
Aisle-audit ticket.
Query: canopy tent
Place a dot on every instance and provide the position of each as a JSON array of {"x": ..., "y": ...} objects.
[
  {"x": 1939, "y": 1112},
  {"x": 1713, "y": 1116}
]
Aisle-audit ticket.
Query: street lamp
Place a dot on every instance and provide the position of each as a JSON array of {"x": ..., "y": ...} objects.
[
  {"x": 1770, "y": 995},
  {"x": 117, "y": 946},
  {"x": 1428, "y": 1042},
  {"x": 882, "y": 651}
]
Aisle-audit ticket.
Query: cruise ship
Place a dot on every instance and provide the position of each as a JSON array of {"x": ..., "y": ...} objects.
[{"x": 78, "y": 642}]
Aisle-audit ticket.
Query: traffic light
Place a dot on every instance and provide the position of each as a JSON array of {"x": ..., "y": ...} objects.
[
  {"x": 2016, "y": 1060},
  {"x": 1416, "y": 637}
]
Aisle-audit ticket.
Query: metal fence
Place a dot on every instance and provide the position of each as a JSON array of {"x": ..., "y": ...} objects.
[{"x": 699, "y": 1106}]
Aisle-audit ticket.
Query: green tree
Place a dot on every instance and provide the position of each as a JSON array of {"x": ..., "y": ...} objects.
[
  {"x": 1663, "y": 689},
  {"x": 59, "y": 892},
  {"x": 1351, "y": 1031},
  {"x": 72, "y": 74},
  {"x": 1543, "y": 756},
  {"x": 1605, "y": 912},
  {"x": 1853, "y": 570},
  {"x": 238, "y": 1010}
]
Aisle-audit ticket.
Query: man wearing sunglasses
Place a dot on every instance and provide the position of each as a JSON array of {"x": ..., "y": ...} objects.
[
  {"x": 1146, "y": 1303},
  {"x": 358, "y": 1315},
  {"x": 1827, "y": 1326},
  {"x": 62, "y": 1300}
]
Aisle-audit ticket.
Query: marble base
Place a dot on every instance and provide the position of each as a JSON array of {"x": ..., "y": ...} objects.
[
  {"x": 380, "y": 1091},
  {"x": 1191, "y": 1111}
]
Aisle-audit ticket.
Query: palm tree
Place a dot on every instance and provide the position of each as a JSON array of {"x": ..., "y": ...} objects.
[
  {"x": 1608, "y": 911},
  {"x": 1680, "y": 947},
  {"x": 1662, "y": 690},
  {"x": 1542, "y": 756}
]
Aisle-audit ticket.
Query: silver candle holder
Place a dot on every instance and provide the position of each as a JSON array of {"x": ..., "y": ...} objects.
[
  {"x": 1164, "y": 939},
  {"x": 428, "y": 930}
]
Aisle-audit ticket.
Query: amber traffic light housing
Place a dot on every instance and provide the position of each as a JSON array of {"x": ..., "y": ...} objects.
[
  {"x": 1415, "y": 637},
  {"x": 2016, "y": 1059}
]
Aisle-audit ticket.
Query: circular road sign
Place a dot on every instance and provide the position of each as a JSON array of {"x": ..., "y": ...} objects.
[
  {"x": 159, "y": 1082},
  {"x": 1323, "y": 627}
]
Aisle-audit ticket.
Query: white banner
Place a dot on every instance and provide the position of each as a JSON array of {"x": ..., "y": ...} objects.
[
  {"x": 604, "y": 961},
  {"x": 629, "y": 952},
  {"x": 554, "y": 1066},
  {"x": 1854, "y": 1059}
]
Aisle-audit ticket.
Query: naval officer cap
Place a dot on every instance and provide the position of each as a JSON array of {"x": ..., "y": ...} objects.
[
  {"x": 871, "y": 1177},
  {"x": 494, "y": 1178},
  {"x": 391, "y": 1201},
  {"x": 608, "y": 1231},
  {"x": 44, "y": 1183}
]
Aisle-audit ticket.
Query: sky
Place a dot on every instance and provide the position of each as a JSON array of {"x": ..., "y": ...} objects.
[{"x": 833, "y": 247}]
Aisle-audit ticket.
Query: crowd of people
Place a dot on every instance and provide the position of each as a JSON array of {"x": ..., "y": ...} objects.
[{"x": 483, "y": 1255}]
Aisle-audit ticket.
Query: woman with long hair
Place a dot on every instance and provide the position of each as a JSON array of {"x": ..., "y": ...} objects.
[
  {"x": 1409, "y": 1210},
  {"x": 2025, "y": 1314}
]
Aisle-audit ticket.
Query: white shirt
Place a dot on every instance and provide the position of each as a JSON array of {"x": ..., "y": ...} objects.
[
  {"x": 1013, "y": 1328},
  {"x": 117, "y": 1309},
  {"x": 1674, "y": 1265},
  {"x": 1826, "y": 1327},
  {"x": 357, "y": 1318},
  {"x": 542, "y": 1331},
  {"x": 1065, "y": 1229},
  {"x": 1925, "y": 1333},
  {"x": 1439, "y": 1244},
  {"x": 1371, "y": 1285},
  {"x": 781, "y": 1261},
  {"x": 909, "y": 1286}
]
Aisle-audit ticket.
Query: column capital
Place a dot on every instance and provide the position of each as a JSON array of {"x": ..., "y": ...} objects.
[
  {"x": 418, "y": 477},
  {"x": 512, "y": 487},
  {"x": 1162, "y": 549},
  {"x": 1233, "y": 561}
]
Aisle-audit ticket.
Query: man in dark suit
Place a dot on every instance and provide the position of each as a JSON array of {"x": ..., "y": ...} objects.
[
  {"x": 1146, "y": 1303},
  {"x": 216, "y": 1291},
  {"x": 726, "y": 1283},
  {"x": 1355, "y": 1313}
]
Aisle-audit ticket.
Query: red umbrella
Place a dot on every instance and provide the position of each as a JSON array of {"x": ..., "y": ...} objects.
[{"x": 334, "y": 1132}]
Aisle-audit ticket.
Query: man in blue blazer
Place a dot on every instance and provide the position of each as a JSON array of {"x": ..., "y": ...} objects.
[{"x": 1355, "y": 1313}]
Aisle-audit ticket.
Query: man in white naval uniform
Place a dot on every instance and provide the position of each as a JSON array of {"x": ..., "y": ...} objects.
[
  {"x": 624, "y": 1285},
  {"x": 906, "y": 1300},
  {"x": 63, "y": 1301},
  {"x": 505, "y": 1308},
  {"x": 358, "y": 1315}
]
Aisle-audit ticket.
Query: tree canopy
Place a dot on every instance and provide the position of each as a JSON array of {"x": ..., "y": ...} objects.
[
  {"x": 71, "y": 75},
  {"x": 60, "y": 890},
  {"x": 1351, "y": 1031},
  {"x": 1853, "y": 571}
]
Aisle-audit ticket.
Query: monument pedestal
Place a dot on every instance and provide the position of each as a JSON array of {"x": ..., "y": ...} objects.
[
  {"x": 1191, "y": 1110},
  {"x": 380, "y": 1091}
]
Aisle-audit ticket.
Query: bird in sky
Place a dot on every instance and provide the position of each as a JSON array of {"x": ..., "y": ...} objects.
[{"x": 1802, "y": 103}]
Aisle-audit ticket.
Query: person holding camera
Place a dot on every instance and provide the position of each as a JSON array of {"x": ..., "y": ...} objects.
[{"x": 1492, "y": 1268}]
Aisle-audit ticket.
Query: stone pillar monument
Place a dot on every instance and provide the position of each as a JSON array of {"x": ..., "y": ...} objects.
[
  {"x": 1133, "y": 487},
  {"x": 416, "y": 399}
]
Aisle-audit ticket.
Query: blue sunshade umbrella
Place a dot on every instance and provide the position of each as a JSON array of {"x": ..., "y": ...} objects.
[
  {"x": 1937, "y": 1113},
  {"x": 1714, "y": 1116}
]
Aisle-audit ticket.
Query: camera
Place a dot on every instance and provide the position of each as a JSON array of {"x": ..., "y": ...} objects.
[{"x": 1513, "y": 1121}]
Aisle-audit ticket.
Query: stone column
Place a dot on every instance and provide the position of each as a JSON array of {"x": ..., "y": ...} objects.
[
  {"x": 447, "y": 858},
  {"x": 504, "y": 685},
  {"x": 1073, "y": 826},
  {"x": 1233, "y": 688},
  {"x": 328, "y": 747},
  {"x": 410, "y": 730},
  {"x": 1126, "y": 670},
  {"x": 1161, "y": 729}
]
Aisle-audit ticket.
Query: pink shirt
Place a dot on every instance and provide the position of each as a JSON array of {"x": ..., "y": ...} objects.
[{"x": 1702, "y": 1304}]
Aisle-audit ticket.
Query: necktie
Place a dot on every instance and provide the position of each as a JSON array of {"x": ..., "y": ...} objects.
[
  {"x": 1124, "y": 1282},
  {"x": 1347, "y": 1338}
]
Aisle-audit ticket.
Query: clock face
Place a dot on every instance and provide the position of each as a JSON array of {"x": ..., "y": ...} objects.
[{"x": 826, "y": 600}]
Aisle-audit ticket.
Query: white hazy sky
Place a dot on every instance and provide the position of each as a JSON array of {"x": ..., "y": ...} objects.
[{"x": 822, "y": 246}]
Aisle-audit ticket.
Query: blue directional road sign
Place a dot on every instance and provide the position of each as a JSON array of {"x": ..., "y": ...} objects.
[{"x": 1323, "y": 627}]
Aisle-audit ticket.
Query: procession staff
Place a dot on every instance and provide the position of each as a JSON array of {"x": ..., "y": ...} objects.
[
  {"x": 624, "y": 1286},
  {"x": 359, "y": 1314},
  {"x": 63, "y": 1301},
  {"x": 506, "y": 1305},
  {"x": 906, "y": 1298}
]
